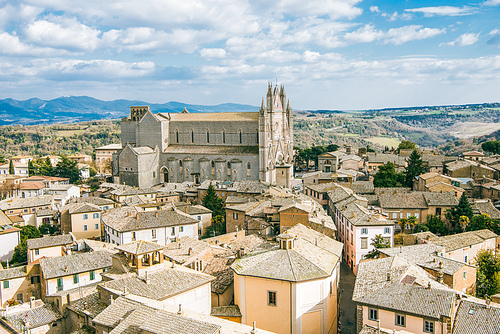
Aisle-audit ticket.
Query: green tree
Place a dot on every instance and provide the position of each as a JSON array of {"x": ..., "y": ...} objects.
[
  {"x": 377, "y": 242},
  {"x": 388, "y": 177},
  {"x": 213, "y": 202},
  {"x": 46, "y": 167},
  {"x": 31, "y": 168},
  {"x": 11, "y": 168},
  {"x": 436, "y": 225},
  {"x": 420, "y": 228},
  {"x": 68, "y": 168},
  {"x": 408, "y": 223},
  {"x": 21, "y": 251},
  {"x": 462, "y": 209},
  {"x": 217, "y": 227},
  {"x": 406, "y": 145},
  {"x": 92, "y": 171},
  {"x": 481, "y": 222},
  {"x": 2, "y": 159},
  {"x": 488, "y": 273},
  {"x": 48, "y": 229},
  {"x": 415, "y": 168},
  {"x": 492, "y": 146}
]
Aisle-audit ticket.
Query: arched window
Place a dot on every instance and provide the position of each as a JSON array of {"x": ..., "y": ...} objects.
[
  {"x": 249, "y": 171},
  {"x": 208, "y": 136},
  {"x": 180, "y": 167},
  {"x": 257, "y": 136},
  {"x": 240, "y": 135},
  {"x": 177, "y": 136},
  {"x": 223, "y": 136},
  {"x": 192, "y": 137},
  {"x": 213, "y": 167},
  {"x": 228, "y": 168}
]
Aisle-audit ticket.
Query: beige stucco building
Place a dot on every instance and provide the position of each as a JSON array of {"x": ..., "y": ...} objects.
[
  {"x": 81, "y": 219},
  {"x": 270, "y": 290}
]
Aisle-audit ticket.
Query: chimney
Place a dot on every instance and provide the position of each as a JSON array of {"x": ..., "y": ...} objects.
[
  {"x": 137, "y": 215},
  {"x": 488, "y": 303},
  {"x": 156, "y": 214},
  {"x": 147, "y": 280},
  {"x": 388, "y": 277},
  {"x": 253, "y": 331},
  {"x": 428, "y": 285},
  {"x": 32, "y": 302},
  {"x": 111, "y": 300},
  {"x": 180, "y": 310}
]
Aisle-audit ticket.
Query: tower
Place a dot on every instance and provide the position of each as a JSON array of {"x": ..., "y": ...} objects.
[{"x": 275, "y": 136}]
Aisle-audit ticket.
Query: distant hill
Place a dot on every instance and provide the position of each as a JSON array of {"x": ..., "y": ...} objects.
[{"x": 70, "y": 109}]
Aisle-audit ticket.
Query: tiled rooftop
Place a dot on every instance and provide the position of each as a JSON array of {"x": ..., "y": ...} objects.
[
  {"x": 160, "y": 285},
  {"x": 74, "y": 264},
  {"x": 139, "y": 247},
  {"x": 121, "y": 221},
  {"x": 313, "y": 256},
  {"x": 36, "y": 317},
  {"x": 50, "y": 241}
]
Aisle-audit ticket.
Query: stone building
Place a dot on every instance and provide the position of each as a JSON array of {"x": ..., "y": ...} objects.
[{"x": 234, "y": 146}]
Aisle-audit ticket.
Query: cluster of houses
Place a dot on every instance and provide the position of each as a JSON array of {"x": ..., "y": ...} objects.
[{"x": 142, "y": 260}]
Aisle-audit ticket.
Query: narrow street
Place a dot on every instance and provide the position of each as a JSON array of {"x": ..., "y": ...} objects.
[{"x": 347, "y": 306}]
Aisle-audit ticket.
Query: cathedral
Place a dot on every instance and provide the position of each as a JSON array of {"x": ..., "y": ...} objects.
[{"x": 233, "y": 146}]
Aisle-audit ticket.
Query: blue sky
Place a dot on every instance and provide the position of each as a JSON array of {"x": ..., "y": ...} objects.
[{"x": 330, "y": 54}]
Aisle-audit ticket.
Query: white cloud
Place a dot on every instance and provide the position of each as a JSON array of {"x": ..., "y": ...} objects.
[
  {"x": 492, "y": 2},
  {"x": 334, "y": 9},
  {"x": 12, "y": 45},
  {"x": 146, "y": 39},
  {"x": 65, "y": 34},
  {"x": 405, "y": 34},
  {"x": 464, "y": 40},
  {"x": 396, "y": 36},
  {"x": 212, "y": 53},
  {"x": 18, "y": 13},
  {"x": 442, "y": 10},
  {"x": 374, "y": 9},
  {"x": 368, "y": 33}
]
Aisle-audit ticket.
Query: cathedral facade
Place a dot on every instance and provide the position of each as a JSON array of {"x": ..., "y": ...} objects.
[{"x": 232, "y": 146}]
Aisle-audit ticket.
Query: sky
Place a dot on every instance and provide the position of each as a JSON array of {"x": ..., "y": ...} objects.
[{"x": 329, "y": 54}]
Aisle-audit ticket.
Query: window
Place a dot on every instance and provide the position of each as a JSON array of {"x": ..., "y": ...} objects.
[
  {"x": 92, "y": 275},
  {"x": 364, "y": 230},
  {"x": 96, "y": 226},
  {"x": 212, "y": 164},
  {"x": 173, "y": 230},
  {"x": 5, "y": 284},
  {"x": 416, "y": 215},
  {"x": 75, "y": 279},
  {"x": 224, "y": 137},
  {"x": 271, "y": 298},
  {"x": 59, "y": 284},
  {"x": 180, "y": 166},
  {"x": 364, "y": 243},
  {"x": 85, "y": 216},
  {"x": 387, "y": 230},
  {"x": 372, "y": 314},
  {"x": 235, "y": 215},
  {"x": 177, "y": 136},
  {"x": 95, "y": 215},
  {"x": 37, "y": 252},
  {"x": 85, "y": 228},
  {"x": 400, "y": 320},
  {"x": 464, "y": 275},
  {"x": 181, "y": 229},
  {"x": 241, "y": 136},
  {"x": 249, "y": 171},
  {"x": 153, "y": 234},
  {"x": 35, "y": 279},
  {"x": 465, "y": 259},
  {"x": 438, "y": 211},
  {"x": 351, "y": 239},
  {"x": 428, "y": 326},
  {"x": 192, "y": 137}
]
